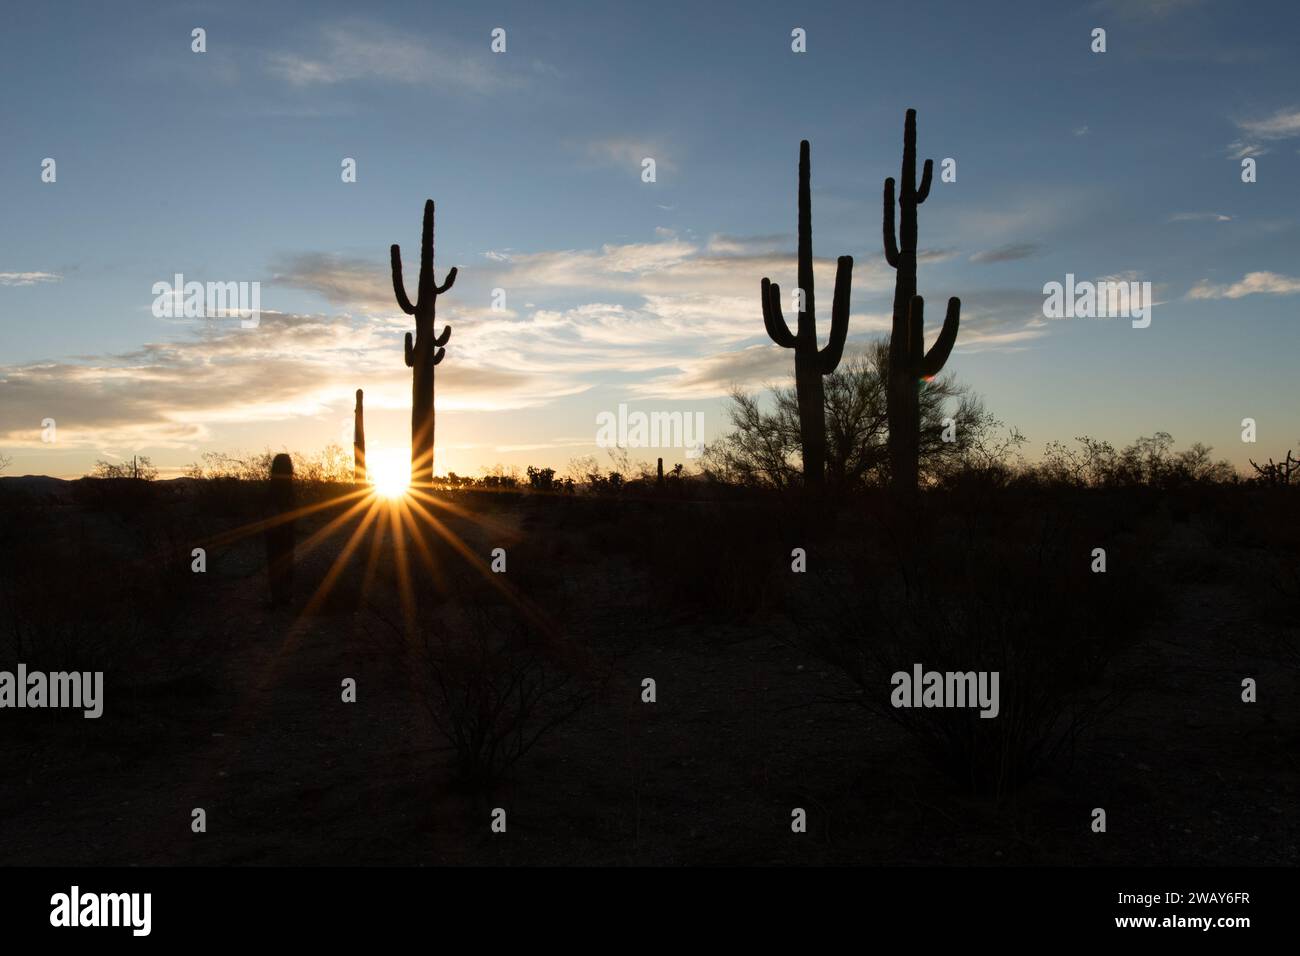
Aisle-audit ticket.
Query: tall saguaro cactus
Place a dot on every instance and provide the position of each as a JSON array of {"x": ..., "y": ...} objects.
[
  {"x": 425, "y": 351},
  {"x": 359, "y": 439},
  {"x": 810, "y": 363},
  {"x": 909, "y": 363}
]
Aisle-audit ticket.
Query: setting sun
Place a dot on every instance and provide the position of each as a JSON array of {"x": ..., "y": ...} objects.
[{"x": 390, "y": 472}]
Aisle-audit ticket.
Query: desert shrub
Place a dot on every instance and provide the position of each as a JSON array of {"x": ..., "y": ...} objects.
[
  {"x": 764, "y": 449},
  {"x": 1148, "y": 462},
  {"x": 232, "y": 485},
  {"x": 494, "y": 685},
  {"x": 220, "y": 465},
  {"x": 962, "y": 596},
  {"x": 228, "y": 497},
  {"x": 718, "y": 560},
  {"x": 119, "y": 496},
  {"x": 541, "y": 479},
  {"x": 139, "y": 468},
  {"x": 100, "y": 594},
  {"x": 499, "y": 478}
]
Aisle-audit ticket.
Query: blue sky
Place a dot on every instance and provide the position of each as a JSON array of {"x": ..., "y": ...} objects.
[{"x": 225, "y": 166}]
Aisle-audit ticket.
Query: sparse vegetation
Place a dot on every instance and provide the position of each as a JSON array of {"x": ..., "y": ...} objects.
[{"x": 139, "y": 468}]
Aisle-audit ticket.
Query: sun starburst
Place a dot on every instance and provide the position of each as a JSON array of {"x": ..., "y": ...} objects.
[{"x": 390, "y": 473}]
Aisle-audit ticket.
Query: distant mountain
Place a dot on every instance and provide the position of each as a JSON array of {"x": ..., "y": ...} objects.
[{"x": 40, "y": 483}]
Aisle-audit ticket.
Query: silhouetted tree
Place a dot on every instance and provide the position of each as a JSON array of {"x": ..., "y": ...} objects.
[
  {"x": 541, "y": 479},
  {"x": 1147, "y": 462},
  {"x": 139, "y": 467},
  {"x": 1274, "y": 473},
  {"x": 763, "y": 448}
]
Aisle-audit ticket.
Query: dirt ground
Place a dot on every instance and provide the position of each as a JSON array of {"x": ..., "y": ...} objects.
[{"x": 247, "y": 723}]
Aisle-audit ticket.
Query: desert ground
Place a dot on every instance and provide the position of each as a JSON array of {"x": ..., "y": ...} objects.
[{"x": 1121, "y": 690}]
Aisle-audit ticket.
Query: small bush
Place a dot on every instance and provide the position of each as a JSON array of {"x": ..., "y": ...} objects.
[
  {"x": 494, "y": 688},
  {"x": 1020, "y": 600}
]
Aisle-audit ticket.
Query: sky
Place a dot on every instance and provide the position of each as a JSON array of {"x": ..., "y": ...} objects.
[{"x": 226, "y": 165}]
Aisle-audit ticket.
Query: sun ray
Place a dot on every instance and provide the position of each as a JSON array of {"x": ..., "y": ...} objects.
[
  {"x": 320, "y": 534},
  {"x": 422, "y": 546},
  {"x": 504, "y": 532},
  {"x": 376, "y": 549},
  {"x": 235, "y": 534},
  {"x": 401, "y": 560},
  {"x": 340, "y": 562},
  {"x": 525, "y": 605}
]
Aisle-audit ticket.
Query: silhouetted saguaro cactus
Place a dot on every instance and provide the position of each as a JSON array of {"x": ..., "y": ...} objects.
[
  {"x": 280, "y": 535},
  {"x": 810, "y": 363},
  {"x": 359, "y": 439},
  {"x": 909, "y": 363},
  {"x": 426, "y": 351}
]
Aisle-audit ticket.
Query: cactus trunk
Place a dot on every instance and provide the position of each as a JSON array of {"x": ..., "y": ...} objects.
[
  {"x": 909, "y": 363},
  {"x": 279, "y": 536},
  {"x": 359, "y": 439},
  {"x": 425, "y": 351},
  {"x": 810, "y": 363}
]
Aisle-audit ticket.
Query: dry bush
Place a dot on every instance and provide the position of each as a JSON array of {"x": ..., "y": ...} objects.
[
  {"x": 1020, "y": 600},
  {"x": 494, "y": 685}
]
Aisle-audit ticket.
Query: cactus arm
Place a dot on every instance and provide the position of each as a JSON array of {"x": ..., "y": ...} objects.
[
  {"x": 915, "y": 335},
  {"x": 829, "y": 357},
  {"x": 936, "y": 358},
  {"x": 772, "y": 318},
  {"x": 399, "y": 288},
  {"x": 442, "y": 339},
  {"x": 410, "y": 352},
  {"x": 451, "y": 280},
  {"x": 925, "y": 182},
  {"x": 891, "y": 244},
  {"x": 438, "y": 355}
]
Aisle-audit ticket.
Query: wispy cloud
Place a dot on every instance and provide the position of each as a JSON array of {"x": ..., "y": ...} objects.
[
  {"x": 1283, "y": 124},
  {"x": 1008, "y": 253},
  {"x": 339, "y": 280},
  {"x": 725, "y": 245},
  {"x": 629, "y": 152},
  {"x": 663, "y": 318},
  {"x": 28, "y": 278},
  {"x": 996, "y": 320},
  {"x": 290, "y": 368},
  {"x": 1253, "y": 283},
  {"x": 355, "y": 49},
  {"x": 1200, "y": 217}
]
